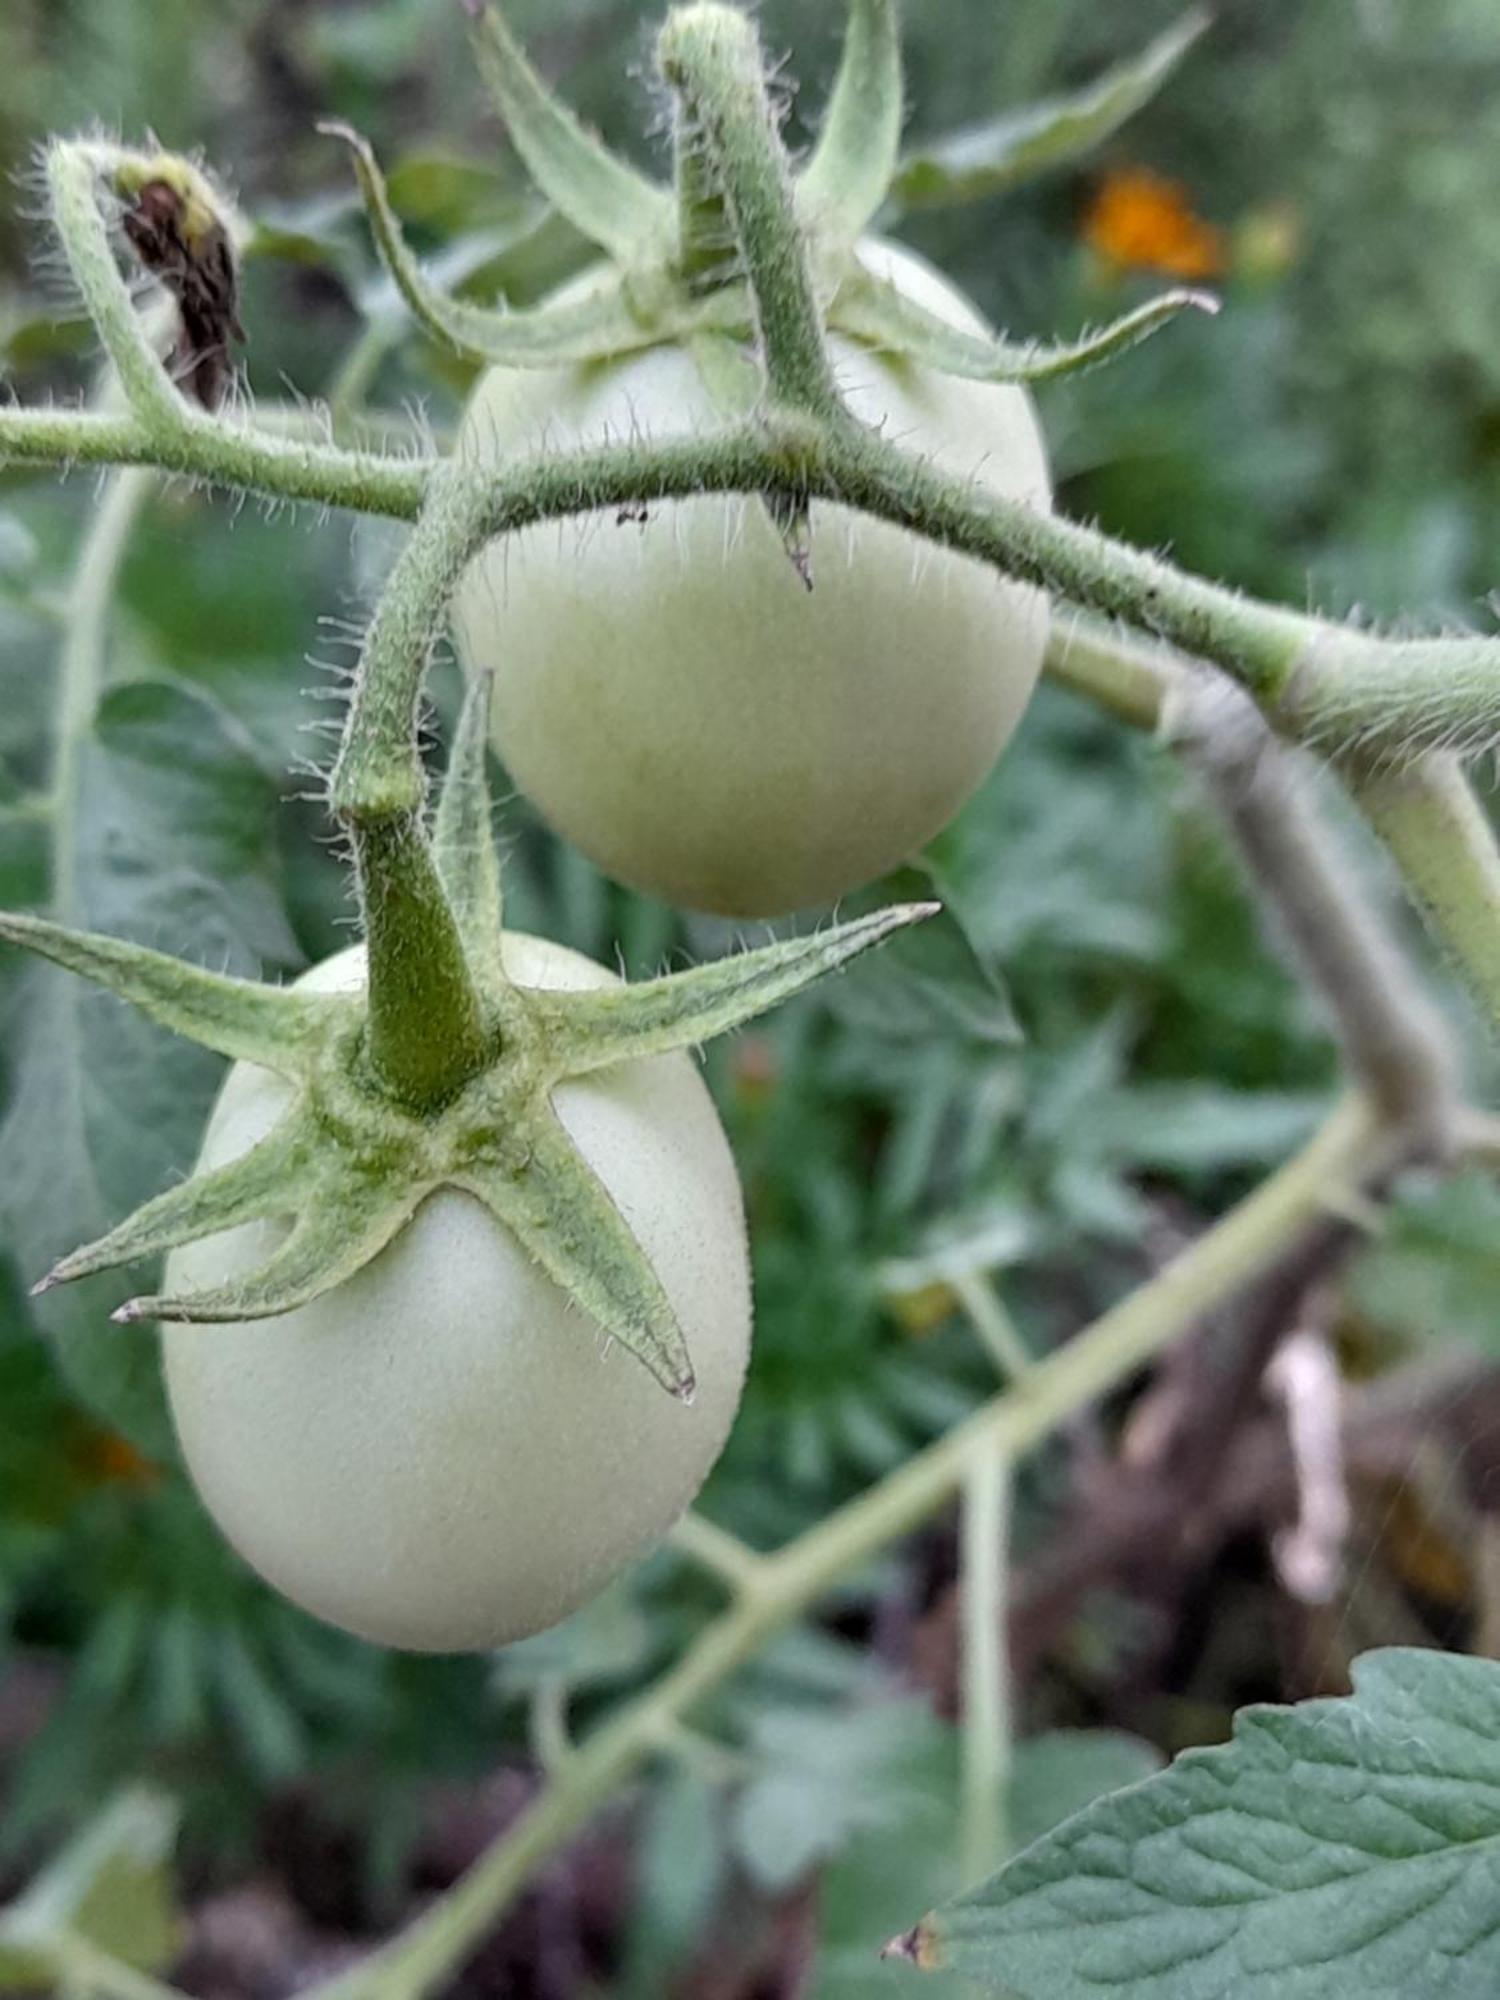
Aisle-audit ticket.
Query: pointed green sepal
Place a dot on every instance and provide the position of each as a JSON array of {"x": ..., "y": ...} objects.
[
  {"x": 729, "y": 372},
  {"x": 463, "y": 838},
  {"x": 283, "y": 1031},
  {"x": 599, "y": 193},
  {"x": 274, "y": 1178},
  {"x": 791, "y": 517},
  {"x": 588, "y": 329},
  {"x": 332, "y": 1238},
  {"x": 872, "y": 310},
  {"x": 852, "y": 165},
  {"x": 563, "y": 1217},
  {"x": 593, "y": 1030}
]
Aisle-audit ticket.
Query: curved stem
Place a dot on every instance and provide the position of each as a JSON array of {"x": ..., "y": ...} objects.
[
  {"x": 81, "y": 666},
  {"x": 1422, "y": 818},
  {"x": 426, "y": 1035},
  {"x": 1394, "y": 1042},
  {"x": 225, "y": 453},
  {"x": 1390, "y": 694},
  {"x": 74, "y": 168}
]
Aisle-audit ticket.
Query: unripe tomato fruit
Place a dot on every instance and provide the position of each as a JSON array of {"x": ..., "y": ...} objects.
[
  {"x": 673, "y": 700},
  {"x": 442, "y": 1454}
]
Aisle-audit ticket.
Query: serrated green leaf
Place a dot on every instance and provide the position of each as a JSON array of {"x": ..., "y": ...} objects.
[
  {"x": 822, "y": 1776},
  {"x": 174, "y": 848},
  {"x": 1058, "y": 1773},
  {"x": 608, "y": 1640},
  {"x": 983, "y": 159},
  {"x": 1346, "y": 1846}
]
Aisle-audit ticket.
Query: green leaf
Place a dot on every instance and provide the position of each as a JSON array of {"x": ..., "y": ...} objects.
[
  {"x": 1341, "y": 1847},
  {"x": 845, "y": 181},
  {"x": 174, "y": 846},
  {"x": 600, "y": 194},
  {"x": 680, "y": 1868},
  {"x": 934, "y": 978},
  {"x": 108, "y": 1891},
  {"x": 609, "y": 1640},
  {"x": 1058, "y": 1773},
  {"x": 983, "y": 159},
  {"x": 872, "y": 1882},
  {"x": 874, "y": 1879},
  {"x": 1434, "y": 1275},
  {"x": 822, "y": 1777}
]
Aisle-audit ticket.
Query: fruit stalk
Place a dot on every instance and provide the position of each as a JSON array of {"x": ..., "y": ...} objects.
[
  {"x": 425, "y": 1036},
  {"x": 711, "y": 57}
]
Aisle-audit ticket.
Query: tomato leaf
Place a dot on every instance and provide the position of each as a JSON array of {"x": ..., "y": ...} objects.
[
  {"x": 934, "y": 975},
  {"x": 821, "y": 1776},
  {"x": 173, "y": 845},
  {"x": 1434, "y": 1274},
  {"x": 984, "y": 159},
  {"x": 1341, "y": 1846}
]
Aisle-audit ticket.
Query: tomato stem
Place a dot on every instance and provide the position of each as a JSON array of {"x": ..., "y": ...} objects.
[
  {"x": 711, "y": 56},
  {"x": 426, "y": 1035}
]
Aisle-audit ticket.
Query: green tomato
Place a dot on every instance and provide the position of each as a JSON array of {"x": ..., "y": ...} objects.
[
  {"x": 674, "y": 701},
  {"x": 444, "y": 1453}
]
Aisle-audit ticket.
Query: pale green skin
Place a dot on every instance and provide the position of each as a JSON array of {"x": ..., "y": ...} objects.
[
  {"x": 443, "y": 1454},
  {"x": 674, "y": 701}
]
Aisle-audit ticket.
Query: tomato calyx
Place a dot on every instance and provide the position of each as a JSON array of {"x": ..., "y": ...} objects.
[
  {"x": 348, "y": 1164},
  {"x": 674, "y": 269}
]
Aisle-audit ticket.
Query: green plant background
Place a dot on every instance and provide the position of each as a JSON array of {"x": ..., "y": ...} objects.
[{"x": 1333, "y": 437}]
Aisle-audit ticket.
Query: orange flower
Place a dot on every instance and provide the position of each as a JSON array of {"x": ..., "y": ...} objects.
[
  {"x": 1140, "y": 220},
  {"x": 104, "y": 1458}
]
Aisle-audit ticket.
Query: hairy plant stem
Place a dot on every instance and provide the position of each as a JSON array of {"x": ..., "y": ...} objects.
[
  {"x": 1353, "y": 1145},
  {"x": 710, "y": 54},
  {"x": 1394, "y": 1042},
  {"x": 425, "y": 1036},
  {"x": 1315, "y": 681},
  {"x": 80, "y": 670}
]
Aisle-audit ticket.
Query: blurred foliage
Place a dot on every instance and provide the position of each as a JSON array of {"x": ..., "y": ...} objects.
[{"x": 1336, "y": 434}]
